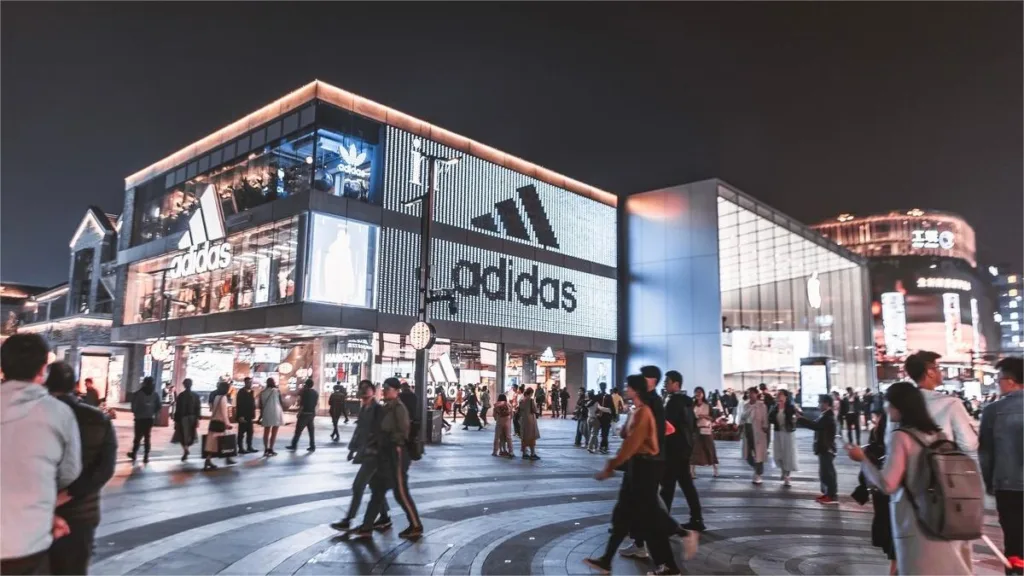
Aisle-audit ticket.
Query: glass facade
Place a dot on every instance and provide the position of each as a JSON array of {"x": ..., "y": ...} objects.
[
  {"x": 786, "y": 297},
  {"x": 261, "y": 272}
]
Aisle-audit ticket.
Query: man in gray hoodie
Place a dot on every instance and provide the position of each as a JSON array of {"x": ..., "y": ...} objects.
[{"x": 41, "y": 455}]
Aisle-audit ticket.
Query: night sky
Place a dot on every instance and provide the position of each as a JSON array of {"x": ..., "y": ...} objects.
[{"x": 814, "y": 108}]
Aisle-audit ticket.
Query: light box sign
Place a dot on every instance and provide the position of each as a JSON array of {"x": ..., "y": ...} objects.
[
  {"x": 497, "y": 289},
  {"x": 343, "y": 261},
  {"x": 932, "y": 239},
  {"x": 490, "y": 199},
  {"x": 894, "y": 323}
]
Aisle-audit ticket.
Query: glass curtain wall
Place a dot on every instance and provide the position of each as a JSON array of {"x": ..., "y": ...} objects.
[{"x": 785, "y": 297}]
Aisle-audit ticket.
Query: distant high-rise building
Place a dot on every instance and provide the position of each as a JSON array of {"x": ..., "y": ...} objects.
[{"x": 1009, "y": 286}]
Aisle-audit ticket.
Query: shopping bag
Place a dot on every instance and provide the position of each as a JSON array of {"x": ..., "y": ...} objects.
[{"x": 227, "y": 445}]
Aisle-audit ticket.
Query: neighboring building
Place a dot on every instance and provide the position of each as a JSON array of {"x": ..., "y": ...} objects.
[
  {"x": 732, "y": 293},
  {"x": 284, "y": 246},
  {"x": 926, "y": 291},
  {"x": 1009, "y": 286},
  {"x": 12, "y": 303},
  {"x": 76, "y": 316}
]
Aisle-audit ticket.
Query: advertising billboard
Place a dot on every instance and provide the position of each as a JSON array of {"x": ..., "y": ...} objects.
[{"x": 343, "y": 261}]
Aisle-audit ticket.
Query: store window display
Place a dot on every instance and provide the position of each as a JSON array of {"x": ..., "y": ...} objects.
[{"x": 261, "y": 272}]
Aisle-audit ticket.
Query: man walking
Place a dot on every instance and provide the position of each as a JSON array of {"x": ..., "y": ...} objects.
[
  {"x": 679, "y": 448},
  {"x": 146, "y": 405},
  {"x": 393, "y": 462},
  {"x": 40, "y": 454},
  {"x": 564, "y": 396},
  {"x": 825, "y": 448},
  {"x": 336, "y": 404},
  {"x": 1001, "y": 450},
  {"x": 70, "y": 554},
  {"x": 245, "y": 412},
  {"x": 605, "y": 415},
  {"x": 363, "y": 450},
  {"x": 307, "y": 414},
  {"x": 485, "y": 403}
]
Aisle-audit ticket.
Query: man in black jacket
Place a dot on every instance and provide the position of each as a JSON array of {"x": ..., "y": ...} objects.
[
  {"x": 307, "y": 414},
  {"x": 606, "y": 415},
  {"x": 362, "y": 450},
  {"x": 679, "y": 448},
  {"x": 245, "y": 412},
  {"x": 852, "y": 421},
  {"x": 825, "y": 448},
  {"x": 81, "y": 503}
]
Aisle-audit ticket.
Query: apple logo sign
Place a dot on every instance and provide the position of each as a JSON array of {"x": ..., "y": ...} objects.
[{"x": 814, "y": 291}]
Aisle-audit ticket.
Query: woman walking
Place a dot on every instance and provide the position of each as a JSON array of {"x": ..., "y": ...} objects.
[
  {"x": 271, "y": 416},
  {"x": 528, "y": 429},
  {"x": 472, "y": 411},
  {"x": 917, "y": 552},
  {"x": 503, "y": 428},
  {"x": 218, "y": 426},
  {"x": 704, "y": 453},
  {"x": 440, "y": 404},
  {"x": 783, "y": 420},
  {"x": 187, "y": 407},
  {"x": 755, "y": 433},
  {"x": 457, "y": 407}
]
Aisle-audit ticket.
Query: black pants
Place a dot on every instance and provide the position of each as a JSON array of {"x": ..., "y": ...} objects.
[
  {"x": 677, "y": 471},
  {"x": 143, "y": 431},
  {"x": 334, "y": 420},
  {"x": 606, "y": 426},
  {"x": 70, "y": 554},
  {"x": 515, "y": 423},
  {"x": 245, "y": 434},
  {"x": 38, "y": 563},
  {"x": 1009, "y": 504},
  {"x": 827, "y": 474},
  {"x": 392, "y": 474},
  {"x": 640, "y": 513},
  {"x": 363, "y": 478},
  {"x": 344, "y": 411},
  {"x": 304, "y": 421},
  {"x": 853, "y": 425}
]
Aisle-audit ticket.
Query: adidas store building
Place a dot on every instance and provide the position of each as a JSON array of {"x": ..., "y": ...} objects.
[{"x": 283, "y": 246}]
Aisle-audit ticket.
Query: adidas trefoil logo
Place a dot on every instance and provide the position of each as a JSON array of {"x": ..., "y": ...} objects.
[
  {"x": 512, "y": 221},
  {"x": 352, "y": 159},
  {"x": 205, "y": 226}
]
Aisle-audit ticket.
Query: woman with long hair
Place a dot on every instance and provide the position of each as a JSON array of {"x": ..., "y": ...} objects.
[
  {"x": 917, "y": 552},
  {"x": 704, "y": 453},
  {"x": 503, "y": 428},
  {"x": 783, "y": 420},
  {"x": 754, "y": 424},
  {"x": 472, "y": 407},
  {"x": 218, "y": 426},
  {"x": 440, "y": 401},
  {"x": 271, "y": 416},
  {"x": 529, "y": 432}
]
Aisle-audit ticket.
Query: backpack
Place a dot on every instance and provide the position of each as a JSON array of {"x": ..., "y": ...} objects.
[{"x": 949, "y": 498}]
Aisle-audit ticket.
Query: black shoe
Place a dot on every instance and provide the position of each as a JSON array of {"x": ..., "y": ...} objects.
[
  {"x": 342, "y": 526},
  {"x": 361, "y": 532},
  {"x": 411, "y": 532},
  {"x": 311, "y": 449},
  {"x": 209, "y": 466},
  {"x": 230, "y": 461},
  {"x": 132, "y": 456},
  {"x": 250, "y": 450},
  {"x": 184, "y": 457},
  {"x": 600, "y": 564},
  {"x": 293, "y": 448},
  {"x": 382, "y": 523},
  {"x": 695, "y": 525}
]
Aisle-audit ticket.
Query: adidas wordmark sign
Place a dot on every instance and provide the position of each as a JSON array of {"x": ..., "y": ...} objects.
[{"x": 205, "y": 226}]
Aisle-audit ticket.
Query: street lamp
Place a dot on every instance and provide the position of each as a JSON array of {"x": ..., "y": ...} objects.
[{"x": 426, "y": 296}]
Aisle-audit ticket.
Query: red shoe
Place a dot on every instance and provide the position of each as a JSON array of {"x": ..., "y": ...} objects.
[
  {"x": 820, "y": 498},
  {"x": 1016, "y": 562},
  {"x": 828, "y": 500}
]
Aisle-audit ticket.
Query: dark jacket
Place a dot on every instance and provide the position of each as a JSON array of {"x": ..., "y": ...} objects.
[
  {"x": 605, "y": 400},
  {"x": 187, "y": 403},
  {"x": 769, "y": 401},
  {"x": 364, "y": 442},
  {"x": 1000, "y": 444},
  {"x": 790, "y": 411},
  {"x": 308, "y": 400},
  {"x": 679, "y": 411},
  {"x": 409, "y": 399},
  {"x": 658, "y": 409},
  {"x": 245, "y": 405},
  {"x": 99, "y": 455},
  {"x": 337, "y": 402},
  {"x": 91, "y": 397},
  {"x": 146, "y": 406},
  {"x": 824, "y": 432}
]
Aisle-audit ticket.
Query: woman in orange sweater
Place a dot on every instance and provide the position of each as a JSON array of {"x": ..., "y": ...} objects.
[{"x": 638, "y": 496}]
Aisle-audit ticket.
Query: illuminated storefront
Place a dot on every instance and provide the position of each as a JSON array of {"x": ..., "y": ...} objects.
[
  {"x": 926, "y": 291},
  {"x": 283, "y": 246},
  {"x": 734, "y": 294}
]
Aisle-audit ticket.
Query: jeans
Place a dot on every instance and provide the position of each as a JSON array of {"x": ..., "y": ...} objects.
[
  {"x": 363, "y": 477},
  {"x": 827, "y": 474},
  {"x": 594, "y": 427},
  {"x": 304, "y": 420},
  {"x": 582, "y": 431},
  {"x": 679, "y": 473},
  {"x": 143, "y": 431},
  {"x": 1009, "y": 504},
  {"x": 244, "y": 433},
  {"x": 70, "y": 554}
]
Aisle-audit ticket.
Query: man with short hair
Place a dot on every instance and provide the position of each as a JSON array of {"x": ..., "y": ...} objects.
[
  {"x": 825, "y": 431},
  {"x": 146, "y": 405},
  {"x": 363, "y": 449},
  {"x": 853, "y": 410},
  {"x": 245, "y": 413},
  {"x": 307, "y": 414},
  {"x": 336, "y": 405},
  {"x": 40, "y": 454},
  {"x": 91, "y": 397},
  {"x": 679, "y": 448},
  {"x": 606, "y": 413},
  {"x": 1001, "y": 450},
  {"x": 948, "y": 412},
  {"x": 70, "y": 554}
]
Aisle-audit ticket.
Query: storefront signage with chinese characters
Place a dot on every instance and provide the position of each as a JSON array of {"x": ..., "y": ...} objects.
[
  {"x": 944, "y": 283},
  {"x": 931, "y": 239}
]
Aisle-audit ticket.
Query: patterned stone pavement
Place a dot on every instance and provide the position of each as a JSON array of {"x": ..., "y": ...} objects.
[{"x": 483, "y": 515}]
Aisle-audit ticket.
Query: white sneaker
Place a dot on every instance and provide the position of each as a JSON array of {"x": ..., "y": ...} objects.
[
  {"x": 632, "y": 551},
  {"x": 757, "y": 480},
  {"x": 786, "y": 482}
]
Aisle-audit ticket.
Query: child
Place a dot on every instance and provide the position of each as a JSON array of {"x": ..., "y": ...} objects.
[{"x": 825, "y": 448}]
